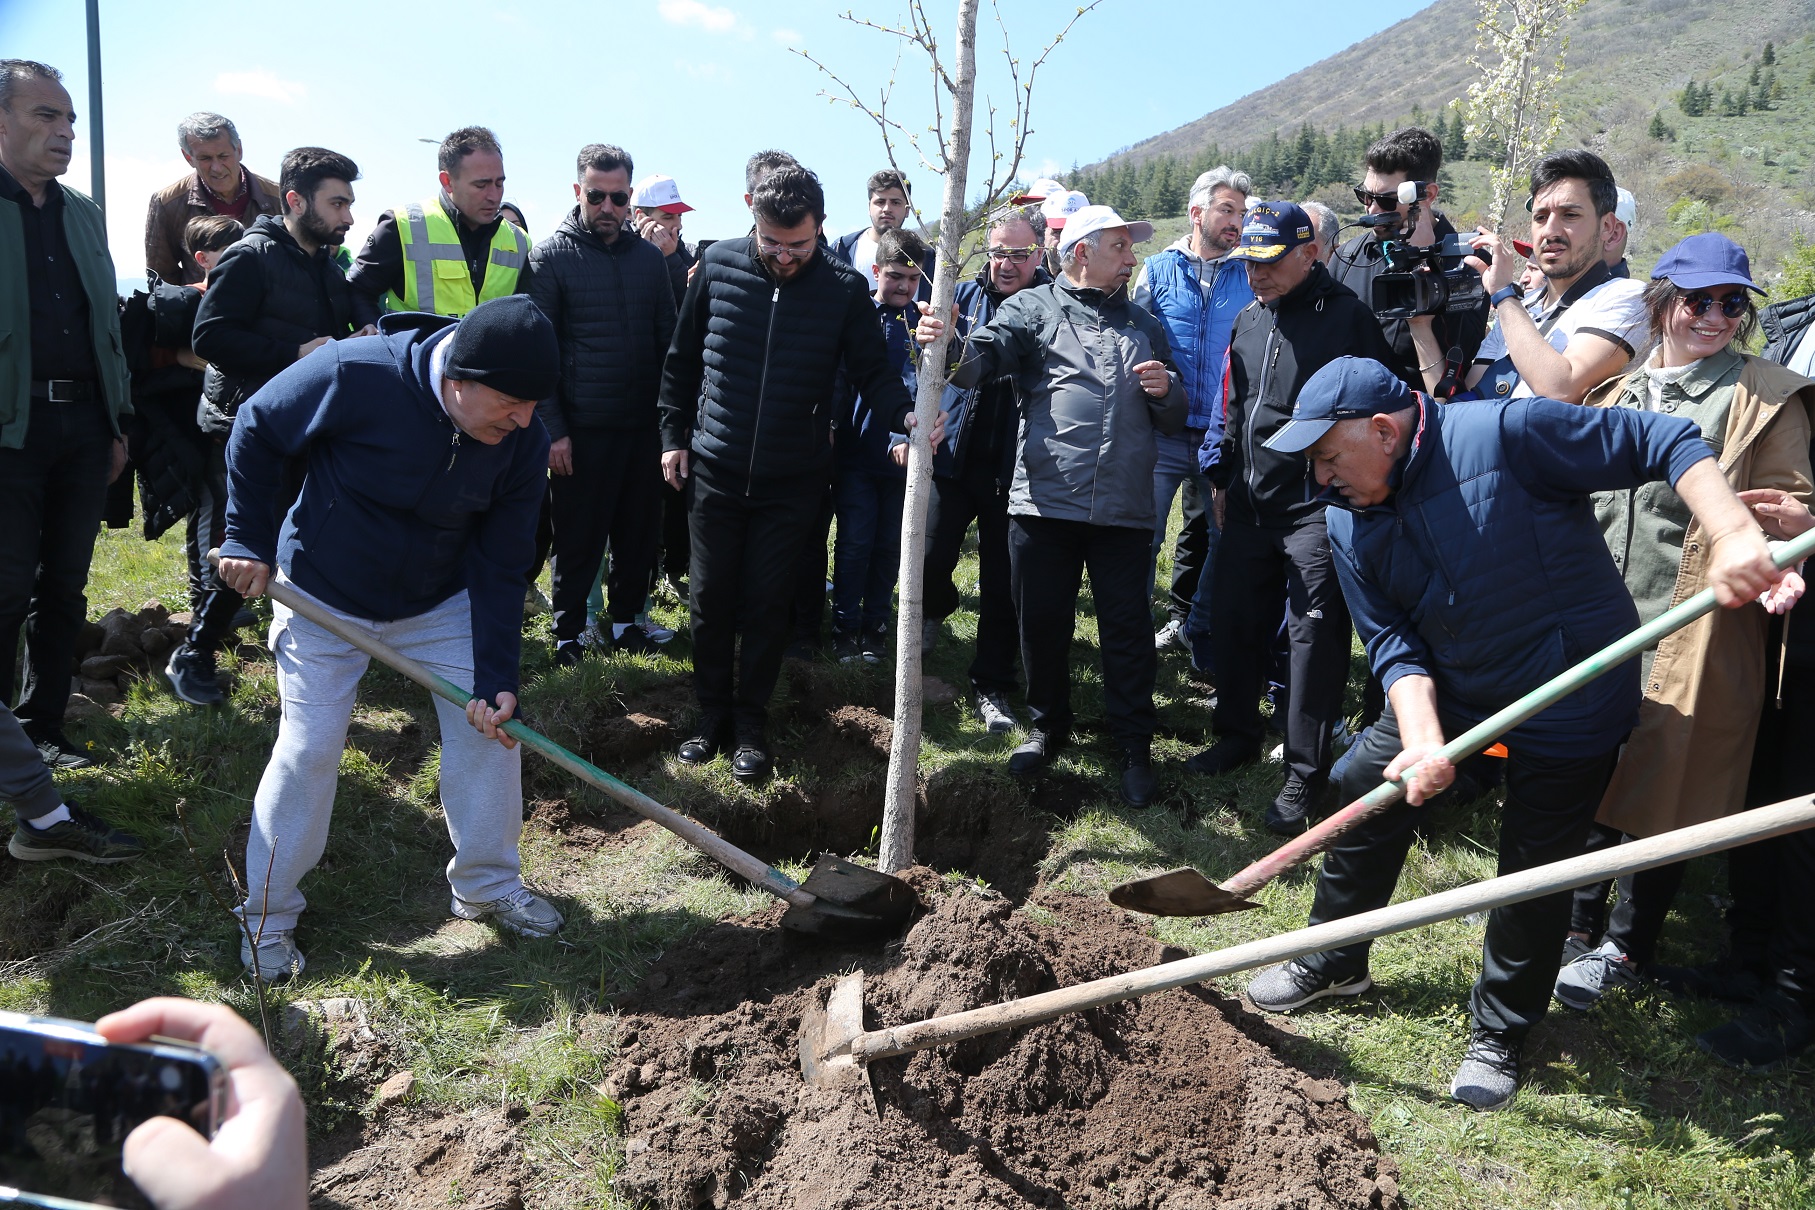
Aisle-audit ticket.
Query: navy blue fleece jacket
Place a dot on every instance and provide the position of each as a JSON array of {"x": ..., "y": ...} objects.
[{"x": 400, "y": 510}]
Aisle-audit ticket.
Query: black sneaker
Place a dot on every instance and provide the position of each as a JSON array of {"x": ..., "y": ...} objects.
[
  {"x": 875, "y": 645},
  {"x": 847, "y": 646},
  {"x": 635, "y": 641},
  {"x": 193, "y": 677},
  {"x": 1298, "y": 801},
  {"x": 1488, "y": 1077},
  {"x": 569, "y": 653},
  {"x": 1223, "y": 756},
  {"x": 1036, "y": 752},
  {"x": 1763, "y": 1037},
  {"x": 55, "y": 748},
  {"x": 1137, "y": 781},
  {"x": 82, "y": 836},
  {"x": 1726, "y": 979}
]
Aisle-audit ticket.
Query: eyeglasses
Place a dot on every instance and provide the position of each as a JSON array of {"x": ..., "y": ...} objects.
[
  {"x": 1014, "y": 256},
  {"x": 619, "y": 197},
  {"x": 1731, "y": 305},
  {"x": 800, "y": 250}
]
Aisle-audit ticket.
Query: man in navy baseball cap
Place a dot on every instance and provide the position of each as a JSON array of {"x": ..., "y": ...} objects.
[
  {"x": 1273, "y": 229},
  {"x": 1349, "y": 388}
]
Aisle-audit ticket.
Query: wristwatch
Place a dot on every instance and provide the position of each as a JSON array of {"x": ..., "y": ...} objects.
[{"x": 1510, "y": 290}]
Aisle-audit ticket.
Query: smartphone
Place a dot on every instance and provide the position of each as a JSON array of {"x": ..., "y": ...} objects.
[
  {"x": 69, "y": 1098},
  {"x": 700, "y": 246}
]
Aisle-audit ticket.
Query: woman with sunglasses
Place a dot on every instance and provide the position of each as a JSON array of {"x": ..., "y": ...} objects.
[{"x": 1687, "y": 761}]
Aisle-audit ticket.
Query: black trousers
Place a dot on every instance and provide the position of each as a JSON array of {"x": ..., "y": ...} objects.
[
  {"x": 1640, "y": 908},
  {"x": 746, "y": 547},
  {"x": 1260, "y": 574},
  {"x": 52, "y": 493},
  {"x": 1048, "y": 559},
  {"x": 212, "y": 604},
  {"x": 1189, "y": 550},
  {"x": 807, "y": 600},
  {"x": 975, "y": 496},
  {"x": 610, "y": 497},
  {"x": 1550, "y": 802},
  {"x": 675, "y": 546}
]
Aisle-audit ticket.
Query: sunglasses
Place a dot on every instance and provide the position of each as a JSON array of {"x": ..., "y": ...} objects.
[
  {"x": 1731, "y": 305},
  {"x": 1014, "y": 256},
  {"x": 619, "y": 197}
]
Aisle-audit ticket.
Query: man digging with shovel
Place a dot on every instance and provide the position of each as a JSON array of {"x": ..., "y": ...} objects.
[
  {"x": 416, "y": 525},
  {"x": 1471, "y": 561}
]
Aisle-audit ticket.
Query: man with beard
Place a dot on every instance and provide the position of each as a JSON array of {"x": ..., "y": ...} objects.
[
  {"x": 972, "y": 474},
  {"x": 890, "y": 200},
  {"x": 219, "y": 185},
  {"x": 1586, "y": 325},
  {"x": 1196, "y": 291},
  {"x": 273, "y": 298},
  {"x": 401, "y": 266},
  {"x": 606, "y": 290},
  {"x": 746, "y": 413},
  {"x": 1099, "y": 386}
]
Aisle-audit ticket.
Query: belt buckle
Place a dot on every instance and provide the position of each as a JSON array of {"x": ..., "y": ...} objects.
[{"x": 61, "y": 390}]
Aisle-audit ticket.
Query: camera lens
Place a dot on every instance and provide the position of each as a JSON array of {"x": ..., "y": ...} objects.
[{"x": 170, "y": 1076}]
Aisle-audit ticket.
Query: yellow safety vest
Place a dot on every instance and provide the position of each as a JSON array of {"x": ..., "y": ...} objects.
[{"x": 435, "y": 276}]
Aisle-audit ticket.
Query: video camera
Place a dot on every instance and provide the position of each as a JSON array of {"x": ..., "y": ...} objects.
[{"x": 1420, "y": 281}]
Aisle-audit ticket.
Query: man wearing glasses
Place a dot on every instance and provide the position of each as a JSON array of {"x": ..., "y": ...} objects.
[
  {"x": 746, "y": 413},
  {"x": 972, "y": 474},
  {"x": 608, "y": 293}
]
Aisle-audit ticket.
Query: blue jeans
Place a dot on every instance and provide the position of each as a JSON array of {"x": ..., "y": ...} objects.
[{"x": 867, "y": 553}]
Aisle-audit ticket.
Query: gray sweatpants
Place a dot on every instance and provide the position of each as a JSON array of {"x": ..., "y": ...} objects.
[
  {"x": 317, "y": 681},
  {"x": 24, "y": 778}
]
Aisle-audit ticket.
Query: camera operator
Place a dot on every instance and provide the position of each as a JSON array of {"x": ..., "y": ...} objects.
[
  {"x": 1587, "y": 325},
  {"x": 1421, "y": 344}
]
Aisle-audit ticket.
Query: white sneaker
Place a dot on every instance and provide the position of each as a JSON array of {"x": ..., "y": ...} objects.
[
  {"x": 520, "y": 911},
  {"x": 656, "y": 632},
  {"x": 1172, "y": 634}
]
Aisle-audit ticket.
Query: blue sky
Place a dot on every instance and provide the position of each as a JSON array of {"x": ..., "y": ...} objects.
[{"x": 688, "y": 87}]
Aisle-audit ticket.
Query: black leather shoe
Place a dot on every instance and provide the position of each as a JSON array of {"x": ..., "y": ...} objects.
[
  {"x": 1223, "y": 756},
  {"x": 705, "y": 744},
  {"x": 751, "y": 764},
  {"x": 1299, "y": 802},
  {"x": 1137, "y": 782},
  {"x": 1036, "y": 752}
]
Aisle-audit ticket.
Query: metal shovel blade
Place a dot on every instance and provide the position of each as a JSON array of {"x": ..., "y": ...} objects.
[
  {"x": 826, "y": 1033},
  {"x": 851, "y": 902},
  {"x": 1178, "y": 893}
]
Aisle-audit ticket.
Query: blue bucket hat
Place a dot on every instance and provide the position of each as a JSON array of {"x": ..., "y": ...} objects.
[
  {"x": 1708, "y": 259},
  {"x": 1348, "y": 388}
]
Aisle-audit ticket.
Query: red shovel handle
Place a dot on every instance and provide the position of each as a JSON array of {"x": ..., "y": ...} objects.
[{"x": 1319, "y": 838}]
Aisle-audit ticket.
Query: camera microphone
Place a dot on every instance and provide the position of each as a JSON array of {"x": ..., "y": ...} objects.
[{"x": 1387, "y": 218}]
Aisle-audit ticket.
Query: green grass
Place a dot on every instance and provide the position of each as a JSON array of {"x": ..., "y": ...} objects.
[{"x": 1621, "y": 1111}]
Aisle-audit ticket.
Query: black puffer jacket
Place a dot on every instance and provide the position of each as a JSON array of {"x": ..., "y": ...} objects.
[
  {"x": 1786, "y": 324},
  {"x": 748, "y": 386},
  {"x": 266, "y": 298},
  {"x": 1272, "y": 351},
  {"x": 613, "y": 310}
]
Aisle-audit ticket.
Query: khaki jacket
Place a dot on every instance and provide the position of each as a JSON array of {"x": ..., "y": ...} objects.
[
  {"x": 171, "y": 209},
  {"x": 1688, "y": 760}
]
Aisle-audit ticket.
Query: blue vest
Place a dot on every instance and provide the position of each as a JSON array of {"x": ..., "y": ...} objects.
[{"x": 1198, "y": 326}]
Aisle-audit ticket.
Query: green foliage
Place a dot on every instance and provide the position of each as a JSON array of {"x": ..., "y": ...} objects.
[
  {"x": 1770, "y": 55},
  {"x": 1657, "y": 130},
  {"x": 1797, "y": 279}
]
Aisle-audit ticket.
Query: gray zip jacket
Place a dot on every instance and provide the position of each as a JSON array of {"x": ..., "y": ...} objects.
[{"x": 1086, "y": 449}]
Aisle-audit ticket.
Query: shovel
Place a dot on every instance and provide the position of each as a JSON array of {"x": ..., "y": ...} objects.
[
  {"x": 835, "y": 1049},
  {"x": 840, "y": 900},
  {"x": 1185, "y": 892}
]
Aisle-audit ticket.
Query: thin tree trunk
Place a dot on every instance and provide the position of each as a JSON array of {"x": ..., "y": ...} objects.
[{"x": 904, "y": 750}]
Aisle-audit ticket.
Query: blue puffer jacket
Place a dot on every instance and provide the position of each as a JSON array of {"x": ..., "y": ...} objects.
[
  {"x": 1198, "y": 326},
  {"x": 1486, "y": 571}
]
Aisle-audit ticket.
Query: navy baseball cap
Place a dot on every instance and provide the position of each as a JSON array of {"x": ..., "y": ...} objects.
[
  {"x": 1708, "y": 259},
  {"x": 1348, "y": 388},
  {"x": 1271, "y": 230}
]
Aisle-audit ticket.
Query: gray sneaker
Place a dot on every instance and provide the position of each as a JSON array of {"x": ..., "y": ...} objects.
[
  {"x": 278, "y": 957},
  {"x": 1291, "y": 985},
  {"x": 523, "y": 913},
  {"x": 997, "y": 716},
  {"x": 1172, "y": 634},
  {"x": 1595, "y": 973},
  {"x": 1489, "y": 1075}
]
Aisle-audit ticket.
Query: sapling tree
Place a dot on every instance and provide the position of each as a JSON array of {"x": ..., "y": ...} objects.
[{"x": 1513, "y": 105}]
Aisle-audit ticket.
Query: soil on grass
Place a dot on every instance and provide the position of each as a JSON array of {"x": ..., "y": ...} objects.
[
  {"x": 1161, "y": 1103},
  {"x": 422, "y": 1160}
]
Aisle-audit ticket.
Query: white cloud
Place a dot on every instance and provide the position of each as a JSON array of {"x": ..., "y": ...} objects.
[
  {"x": 260, "y": 83},
  {"x": 693, "y": 12},
  {"x": 787, "y": 37}
]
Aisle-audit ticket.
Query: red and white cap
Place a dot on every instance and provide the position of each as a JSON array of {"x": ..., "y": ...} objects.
[
  {"x": 1061, "y": 206},
  {"x": 1039, "y": 191},
  {"x": 658, "y": 192}
]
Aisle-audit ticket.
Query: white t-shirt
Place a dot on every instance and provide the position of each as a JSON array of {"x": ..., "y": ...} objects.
[
  {"x": 863, "y": 256},
  {"x": 1613, "y": 310}
]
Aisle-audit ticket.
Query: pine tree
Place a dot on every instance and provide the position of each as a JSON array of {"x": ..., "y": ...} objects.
[
  {"x": 1689, "y": 100},
  {"x": 1727, "y": 107},
  {"x": 1770, "y": 55},
  {"x": 1752, "y": 79},
  {"x": 1455, "y": 139},
  {"x": 1767, "y": 89},
  {"x": 1745, "y": 101},
  {"x": 1657, "y": 129},
  {"x": 1707, "y": 95}
]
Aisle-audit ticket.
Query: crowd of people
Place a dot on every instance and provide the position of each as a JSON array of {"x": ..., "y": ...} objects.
[{"x": 1484, "y": 491}]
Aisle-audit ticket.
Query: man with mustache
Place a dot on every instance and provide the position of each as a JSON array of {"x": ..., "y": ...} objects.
[
  {"x": 273, "y": 298},
  {"x": 221, "y": 184},
  {"x": 1100, "y": 384},
  {"x": 1586, "y": 325},
  {"x": 1196, "y": 290}
]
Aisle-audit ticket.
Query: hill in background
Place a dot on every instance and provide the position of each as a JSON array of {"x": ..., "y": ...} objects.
[{"x": 1696, "y": 159}]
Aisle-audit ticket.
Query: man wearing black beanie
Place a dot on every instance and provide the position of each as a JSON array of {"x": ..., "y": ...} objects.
[{"x": 416, "y": 523}]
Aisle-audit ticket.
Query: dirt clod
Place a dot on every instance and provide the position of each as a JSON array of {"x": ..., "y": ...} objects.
[
  {"x": 1161, "y": 1103},
  {"x": 427, "y": 1161}
]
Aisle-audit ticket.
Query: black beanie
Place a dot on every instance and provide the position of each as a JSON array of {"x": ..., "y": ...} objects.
[{"x": 508, "y": 345}]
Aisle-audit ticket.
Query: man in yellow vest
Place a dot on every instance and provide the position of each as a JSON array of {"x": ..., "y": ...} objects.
[{"x": 449, "y": 253}]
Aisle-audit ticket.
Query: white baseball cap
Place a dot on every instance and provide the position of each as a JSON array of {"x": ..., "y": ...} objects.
[
  {"x": 1061, "y": 206},
  {"x": 1039, "y": 191},
  {"x": 659, "y": 192},
  {"x": 1627, "y": 209},
  {"x": 1101, "y": 218}
]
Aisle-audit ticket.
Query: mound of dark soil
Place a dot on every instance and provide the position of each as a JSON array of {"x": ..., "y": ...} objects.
[
  {"x": 1161, "y": 1103},
  {"x": 425, "y": 1161}
]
